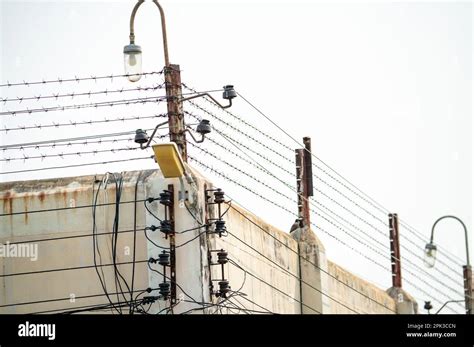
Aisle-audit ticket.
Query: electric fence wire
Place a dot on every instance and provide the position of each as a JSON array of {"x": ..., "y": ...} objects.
[
  {"x": 379, "y": 245},
  {"x": 73, "y": 95},
  {"x": 364, "y": 197},
  {"x": 122, "y": 102},
  {"x": 79, "y": 79},
  {"x": 75, "y": 123},
  {"x": 219, "y": 173},
  {"x": 76, "y": 165},
  {"x": 381, "y": 253},
  {"x": 369, "y": 224},
  {"x": 252, "y": 176},
  {"x": 374, "y": 203},
  {"x": 281, "y": 268}
]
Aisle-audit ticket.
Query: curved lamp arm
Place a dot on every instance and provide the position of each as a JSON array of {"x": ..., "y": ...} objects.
[
  {"x": 465, "y": 232},
  {"x": 163, "y": 27}
]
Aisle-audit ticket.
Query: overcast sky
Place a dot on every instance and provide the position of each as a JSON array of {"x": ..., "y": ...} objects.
[{"x": 383, "y": 89}]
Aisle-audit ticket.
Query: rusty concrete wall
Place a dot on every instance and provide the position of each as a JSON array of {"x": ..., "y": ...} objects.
[
  {"x": 63, "y": 239},
  {"x": 366, "y": 298},
  {"x": 266, "y": 269},
  {"x": 265, "y": 272}
]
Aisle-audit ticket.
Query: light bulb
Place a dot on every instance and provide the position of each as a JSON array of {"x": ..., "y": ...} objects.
[{"x": 132, "y": 60}]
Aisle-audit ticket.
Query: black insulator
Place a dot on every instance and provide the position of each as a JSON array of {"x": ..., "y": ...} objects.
[
  {"x": 164, "y": 259},
  {"x": 165, "y": 289},
  {"x": 152, "y": 228},
  {"x": 219, "y": 196},
  {"x": 229, "y": 92},
  {"x": 223, "y": 287},
  {"x": 220, "y": 227},
  {"x": 204, "y": 127},
  {"x": 222, "y": 257},
  {"x": 165, "y": 226},
  {"x": 141, "y": 137},
  {"x": 165, "y": 198}
]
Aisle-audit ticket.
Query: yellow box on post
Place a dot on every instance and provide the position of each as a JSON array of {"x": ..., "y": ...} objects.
[{"x": 168, "y": 158}]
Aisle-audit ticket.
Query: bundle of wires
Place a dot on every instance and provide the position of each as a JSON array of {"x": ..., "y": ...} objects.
[{"x": 121, "y": 285}]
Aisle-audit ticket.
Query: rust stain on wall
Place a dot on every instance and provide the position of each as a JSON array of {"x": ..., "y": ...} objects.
[
  {"x": 41, "y": 197},
  {"x": 64, "y": 194},
  {"x": 8, "y": 202},
  {"x": 26, "y": 201}
]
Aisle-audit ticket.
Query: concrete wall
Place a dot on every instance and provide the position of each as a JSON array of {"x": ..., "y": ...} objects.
[
  {"x": 270, "y": 257},
  {"x": 367, "y": 299},
  {"x": 269, "y": 270}
]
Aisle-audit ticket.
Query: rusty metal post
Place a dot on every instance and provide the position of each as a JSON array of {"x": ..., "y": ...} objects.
[
  {"x": 395, "y": 250},
  {"x": 308, "y": 166},
  {"x": 175, "y": 109},
  {"x": 172, "y": 248},
  {"x": 468, "y": 289},
  {"x": 302, "y": 182}
]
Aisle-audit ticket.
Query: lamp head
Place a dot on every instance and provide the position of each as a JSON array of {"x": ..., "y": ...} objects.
[
  {"x": 133, "y": 61},
  {"x": 430, "y": 255}
]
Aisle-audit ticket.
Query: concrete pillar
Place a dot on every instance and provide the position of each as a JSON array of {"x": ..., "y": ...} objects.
[
  {"x": 311, "y": 253},
  {"x": 405, "y": 303}
]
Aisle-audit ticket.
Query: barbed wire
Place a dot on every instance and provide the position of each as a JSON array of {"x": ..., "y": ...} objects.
[
  {"x": 383, "y": 222},
  {"x": 73, "y": 95},
  {"x": 75, "y": 165},
  {"x": 72, "y": 139},
  {"x": 373, "y": 249},
  {"x": 365, "y": 197},
  {"x": 69, "y": 144},
  {"x": 455, "y": 259},
  {"x": 221, "y": 174},
  {"x": 62, "y": 155},
  {"x": 306, "y": 259},
  {"x": 126, "y": 102},
  {"x": 86, "y": 122},
  {"x": 241, "y": 120},
  {"x": 243, "y": 145},
  {"x": 370, "y": 237},
  {"x": 279, "y": 166},
  {"x": 197, "y": 106},
  {"x": 80, "y": 79}
]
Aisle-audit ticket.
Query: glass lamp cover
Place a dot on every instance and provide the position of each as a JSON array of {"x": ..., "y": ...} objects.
[{"x": 133, "y": 66}]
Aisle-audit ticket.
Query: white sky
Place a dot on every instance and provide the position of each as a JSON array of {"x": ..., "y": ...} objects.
[{"x": 383, "y": 89}]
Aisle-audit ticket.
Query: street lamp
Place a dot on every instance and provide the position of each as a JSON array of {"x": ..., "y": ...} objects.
[
  {"x": 430, "y": 259},
  {"x": 177, "y": 127},
  {"x": 133, "y": 53}
]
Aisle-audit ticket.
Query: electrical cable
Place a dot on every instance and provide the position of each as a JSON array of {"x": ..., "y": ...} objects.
[
  {"x": 271, "y": 286},
  {"x": 76, "y": 165}
]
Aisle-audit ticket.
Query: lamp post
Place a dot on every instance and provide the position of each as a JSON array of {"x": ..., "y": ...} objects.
[
  {"x": 133, "y": 69},
  {"x": 430, "y": 259}
]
